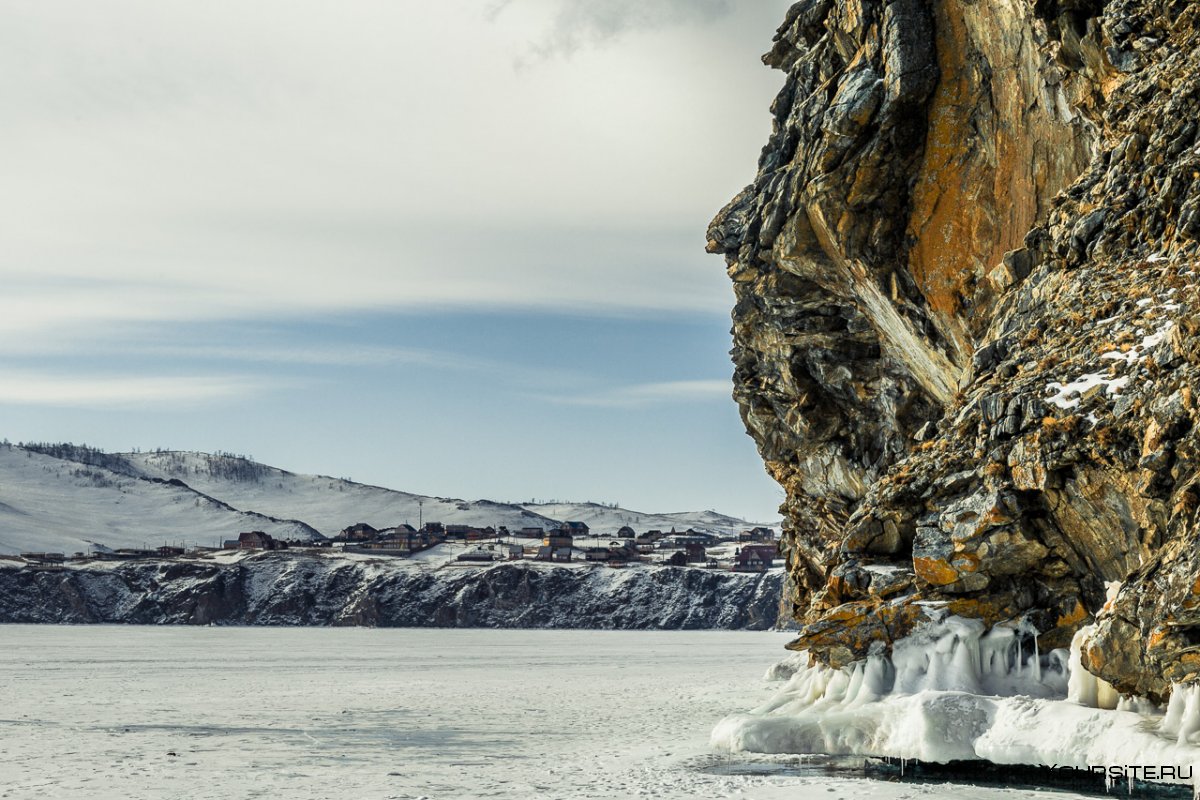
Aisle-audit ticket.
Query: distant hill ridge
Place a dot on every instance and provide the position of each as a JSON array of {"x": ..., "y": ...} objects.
[{"x": 65, "y": 497}]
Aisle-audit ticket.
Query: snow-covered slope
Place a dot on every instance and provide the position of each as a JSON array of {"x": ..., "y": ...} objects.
[
  {"x": 328, "y": 504},
  {"x": 64, "y": 498},
  {"x": 56, "y": 505}
]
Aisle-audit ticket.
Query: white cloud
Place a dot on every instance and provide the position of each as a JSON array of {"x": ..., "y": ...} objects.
[
  {"x": 305, "y": 353},
  {"x": 648, "y": 394},
  {"x": 128, "y": 391},
  {"x": 370, "y": 155}
]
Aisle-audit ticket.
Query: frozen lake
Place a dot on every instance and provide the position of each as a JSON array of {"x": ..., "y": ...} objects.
[{"x": 139, "y": 712}]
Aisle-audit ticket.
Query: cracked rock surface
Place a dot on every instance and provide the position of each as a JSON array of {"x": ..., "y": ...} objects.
[{"x": 966, "y": 329}]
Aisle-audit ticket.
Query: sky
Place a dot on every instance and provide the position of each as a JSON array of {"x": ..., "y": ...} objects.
[{"x": 454, "y": 248}]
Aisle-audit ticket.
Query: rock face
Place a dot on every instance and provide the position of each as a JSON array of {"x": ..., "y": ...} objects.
[
  {"x": 291, "y": 589},
  {"x": 966, "y": 333}
]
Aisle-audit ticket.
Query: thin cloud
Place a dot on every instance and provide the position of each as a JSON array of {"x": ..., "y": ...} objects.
[
  {"x": 305, "y": 354},
  {"x": 649, "y": 394},
  {"x": 123, "y": 392}
]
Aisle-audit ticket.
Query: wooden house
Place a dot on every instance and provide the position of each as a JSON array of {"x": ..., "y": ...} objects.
[
  {"x": 358, "y": 532},
  {"x": 257, "y": 540},
  {"x": 754, "y": 558},
  {"x": 464, "y": 532},
  {"x": 559, "y": 539},
  {"x": 759, "y": 534}
]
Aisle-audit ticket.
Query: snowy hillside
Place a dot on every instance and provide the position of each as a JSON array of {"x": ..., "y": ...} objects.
[
  {"x": 68, "y": 498},
  {"x": 328, "y": 504},
  {"x": 50, "y": 504}
]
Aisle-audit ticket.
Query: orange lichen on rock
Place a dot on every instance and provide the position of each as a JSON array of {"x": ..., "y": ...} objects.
[
  {"x": 935, "y": 571},
  {"x": 1074, "y": 617}
]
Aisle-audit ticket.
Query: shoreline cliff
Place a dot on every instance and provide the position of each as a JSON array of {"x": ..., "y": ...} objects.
[
  {"x": 967, "y": 277},
  {"x": 302, "y": 589}
]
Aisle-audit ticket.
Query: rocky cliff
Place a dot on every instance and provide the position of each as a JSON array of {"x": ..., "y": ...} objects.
[
  {"x": 966, "y": 332},
  {"x": 299, "y": 589}
]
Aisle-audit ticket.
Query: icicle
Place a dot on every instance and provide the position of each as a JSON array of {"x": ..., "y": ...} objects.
[
  {"x": 951, "y": 691},
  {"x": 1082, "y": 686},
  {"x": 1182, "y": 719}
]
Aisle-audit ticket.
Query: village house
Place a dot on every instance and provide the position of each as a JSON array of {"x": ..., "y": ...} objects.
[
  {"x": 759, "y": 534},
  {"x": 677, "y": 559},
  {"x": 678, "y": 541},
  {"x": 694, "y": 553},
  {"x": 359, "y": 532},
  {"x": 550, "y": 553},
  {"x": 597, "y": 554},
  {"x": 754, "y": 558},
  {"x": 531, "y": 533},
  {"x": 406, "y": 542},
  {"x": 615, "y": 553},
  {"x": 481, "y": 534},
  {"x": 559, "y": 539},
  {"x": 257, "y": 540},
  {"x": 626, "y": 532},
  {"x": 645, "y": 542},
  {"x": 622, "y": 553},
  {"x": 575, "y": 528}
]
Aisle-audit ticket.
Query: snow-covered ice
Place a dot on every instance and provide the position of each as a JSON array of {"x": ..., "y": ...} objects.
[{"x": 126, "y": 713}]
